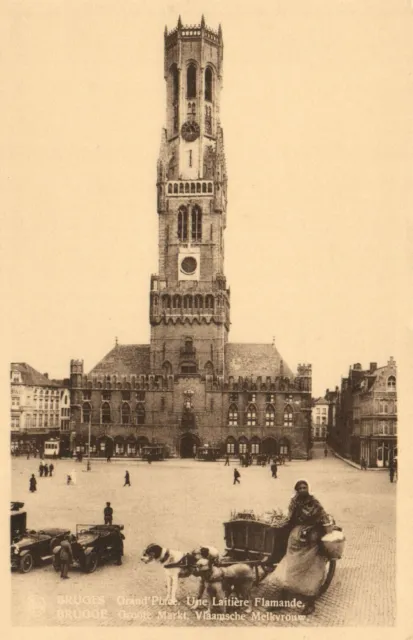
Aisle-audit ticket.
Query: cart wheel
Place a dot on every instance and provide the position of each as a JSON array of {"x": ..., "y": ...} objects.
[
  {"x": 330, "y": 571},
  {"x": 91, "y": 562},
  {"x": 26, "y": 563}
]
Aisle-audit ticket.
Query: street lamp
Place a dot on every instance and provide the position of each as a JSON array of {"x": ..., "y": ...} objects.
[{"x": 88, "y": 448}]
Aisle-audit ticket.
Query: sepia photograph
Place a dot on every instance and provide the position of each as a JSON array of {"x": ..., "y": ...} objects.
[{"x": 205, "y": 209}]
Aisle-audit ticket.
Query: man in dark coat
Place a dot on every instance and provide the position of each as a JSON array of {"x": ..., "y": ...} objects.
[
  {"x": 41, "y": 469},
  {"x": 51, "y": 469},
  {"x": 45, "y": 470},
  {"x": 66, "y": 557},
  {"x": 127, "y": 479},
  {"x": 391, "y": 471},
  {"x": 226, "y": 461},
  {"x": 237, "y": 476},
  {"x": 108, "y": 513},
  {"x": 33, "y": 483},
  {"x": 274, "y": 469}
]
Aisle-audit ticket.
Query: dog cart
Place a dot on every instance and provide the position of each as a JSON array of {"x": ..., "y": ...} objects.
[{"x": 262, "y": 543}]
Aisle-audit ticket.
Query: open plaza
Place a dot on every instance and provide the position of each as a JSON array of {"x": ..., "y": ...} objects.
[{"x": 182, "y": 504}]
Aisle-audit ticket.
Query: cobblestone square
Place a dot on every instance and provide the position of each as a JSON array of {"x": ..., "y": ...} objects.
[{"x": 182, "y": 503}]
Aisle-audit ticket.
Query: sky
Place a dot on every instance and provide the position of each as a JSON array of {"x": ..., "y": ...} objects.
[{"x": 317, "y": 126}]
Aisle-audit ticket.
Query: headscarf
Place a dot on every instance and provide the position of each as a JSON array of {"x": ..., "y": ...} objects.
[
  {"x": 305, "y": 509},
  {"x": 301, "y": 482}
]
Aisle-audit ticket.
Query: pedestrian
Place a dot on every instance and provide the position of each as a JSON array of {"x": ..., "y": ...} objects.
[
  {"x": 325, "y": 452},
  {"x": 69, "y": 480},
  {"x": 51, "y": 469},
  {"x": 274, "y": 469},
  {"x": 391, "y": 471},
  {"x": 108, "y": 459},
  {"x": 226, "y": 461},
  {"x": 45, "y": 470},
  {"x": 66, "y": 557},
  {"x": 237, "y": 476},
  {"x": 41, "y": 469},
  {"x": 108, "y": 513},
  {"x": 28, "y": 455},
  {"x": 363, "y": 464},
  {"x": 32, "y": 483},
  {"x": 127, "y": 479}
]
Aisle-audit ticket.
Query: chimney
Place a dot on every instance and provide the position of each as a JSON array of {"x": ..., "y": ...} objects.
[{"x": 373, "y": 366}]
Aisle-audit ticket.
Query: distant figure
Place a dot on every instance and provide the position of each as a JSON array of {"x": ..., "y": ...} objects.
[
  {"x": 45, "y": 470},
  {"x": 69, "y": 480},
  {"x": 274, "y": 469},
  {"x": 149, "y": 458},
  {"x": 325, "y": 452},
  {"x": 391, "y": 472},
  {"x": 41, "y": 469},
  {"x": 127, "y": 479},
  {"x": 237, "y": 476},
  {"x": 108, "y": 459},
  {"x": 108, "y": 513},
  {"x": 363, "y": 464},
  {"x": 226, "y": 461},
  {"x": 54, "y": 456},
  {"x": 32, "y": 483},
  {"x": 28, "y": 455},
  {"x": 51, "y": 469}
]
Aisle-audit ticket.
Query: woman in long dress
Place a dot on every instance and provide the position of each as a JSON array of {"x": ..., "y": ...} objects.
[{"x": 302, "y": 569}]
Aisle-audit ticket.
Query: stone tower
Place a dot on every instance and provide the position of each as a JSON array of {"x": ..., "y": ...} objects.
[{"x": 189, "y": 299}]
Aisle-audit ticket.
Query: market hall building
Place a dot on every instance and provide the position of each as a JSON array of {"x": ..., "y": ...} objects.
[{"x": 190, "y": 386}]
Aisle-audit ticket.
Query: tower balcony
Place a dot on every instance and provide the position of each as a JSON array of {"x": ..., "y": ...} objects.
[{"x": 182, "y": 188}]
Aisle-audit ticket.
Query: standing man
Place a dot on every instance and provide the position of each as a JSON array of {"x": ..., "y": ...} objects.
[
  {"x": 237, "y": 476},
  {"x": 274, "y": 469},
  {"x": 41, "y": 469},
  {"x": 226, "y": 461},
  {"x": 45, "y": 470},
  {"x": 325, "y": 452},
  {"x": 108, "y": 513},
  {"x": 66, "y": 557},
  {"x": 32, "y": 483},
  {"x": 51, "y": 469},
  {"x": 127, "y": 479},
  {"x": 391, "y": 471},
  {"x": 363, "y": 464}
]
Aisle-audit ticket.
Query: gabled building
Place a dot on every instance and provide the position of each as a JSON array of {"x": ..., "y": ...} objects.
[
  {"x": 190, "y": 386},
  {"x": 40, "y": 408},
  {"x": 366, "y": 425},
  {"x": 319, "y": 419}
]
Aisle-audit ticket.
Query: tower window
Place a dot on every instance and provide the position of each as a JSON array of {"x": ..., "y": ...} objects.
[
  {"x": 288, "y": 416},
  {"x": 196, "y": 224},
  {"x": 269, "y": 416},
  {"x": 140, "y": 414},
  {"x": 233, "y": 416},
  {"x": 106, "y": 416},
  {"x": 125, "y": 413},
  {"x": 190, "y": 158},
  {"x": 208, "y": 84},
  {"x": 191, "y": 82},
  {"x": 251, "y": 416},
  {"x": 208, "y": 120},
  {"x": 183, "y": 224},
  {"x": 175, "y": 83},
  {"x": 191, "y": 110}
]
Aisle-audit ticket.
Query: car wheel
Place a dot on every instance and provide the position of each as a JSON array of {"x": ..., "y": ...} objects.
[
  {"x": 91, "y": 562},
  {"x": 26, "y": 563},
  {"x": 330, "y": 571}
]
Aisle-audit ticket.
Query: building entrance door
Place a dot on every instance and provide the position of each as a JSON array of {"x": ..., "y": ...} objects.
[{"x": 188, "y": 445}]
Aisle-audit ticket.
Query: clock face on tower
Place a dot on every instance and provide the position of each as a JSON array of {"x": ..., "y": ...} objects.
[{"x": 190, "y": 131}]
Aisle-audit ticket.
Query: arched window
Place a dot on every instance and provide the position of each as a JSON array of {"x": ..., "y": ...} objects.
[
  {"x": 87, "y": 412},
  {"x": 175, "y": 83},
  {"x": 199, "y": 303},
  {"x": 391, "y": 383},
  {"x": 191, "y": 110},
  {"x": 191, "y": 81},
  {"x": 183, "y": 224},
  {"x": 188, "y": 302},
  {"x": 209, "y": 368},
  {"x": 176, "y": 302},
  {"x": 167, "y": 368},
  {"x": 196, "y": 224},
  {"x": 208, "y": 84},
  {"x": 106, "y": 417},
  {"x": 209, "y": 302},
  {"x": 208, "y": 120},
  {"x": 166, "y": 302},
  {"x": 383, "y": 406},
  {"x": 288, "y": 416},
  {"x": 230, "y": 446},
  {"x": 269, "y": 416},
  {"x": 140, "y": 414},
  {"x": 125, "y": 413},
  {"x": 252, "y": 415},
  {"x": 233, "y": 416}
]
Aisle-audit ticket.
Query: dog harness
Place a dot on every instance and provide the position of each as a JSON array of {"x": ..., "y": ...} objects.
[{"x": 165, "y": 557}]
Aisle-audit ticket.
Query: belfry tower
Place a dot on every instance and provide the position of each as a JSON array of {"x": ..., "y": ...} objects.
[{"x": 189, "y": 299}]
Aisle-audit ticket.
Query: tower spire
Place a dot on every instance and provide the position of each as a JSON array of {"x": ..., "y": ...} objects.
[
  {"x": 179, "y": 22},
  {"x": 203, "y": 21}
]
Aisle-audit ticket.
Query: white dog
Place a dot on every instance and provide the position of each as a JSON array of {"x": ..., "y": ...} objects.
[{"x": 167, "y": 557}]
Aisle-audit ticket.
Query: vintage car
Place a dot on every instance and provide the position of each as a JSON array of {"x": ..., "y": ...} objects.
[
  {"x": 30, "y": 548},
  {"x": 153, "y": 452},
  {"x": 92, "y": 545}
]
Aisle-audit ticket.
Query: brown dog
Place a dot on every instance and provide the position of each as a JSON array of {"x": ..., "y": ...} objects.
[{"x": 220, "y": 582}]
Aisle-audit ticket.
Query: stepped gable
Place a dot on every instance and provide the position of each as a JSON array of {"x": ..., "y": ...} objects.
[
  {"x": 32, "y": 377},
  {"x": 254, "y": 360},
  {"x": 124, "y": 359}
]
